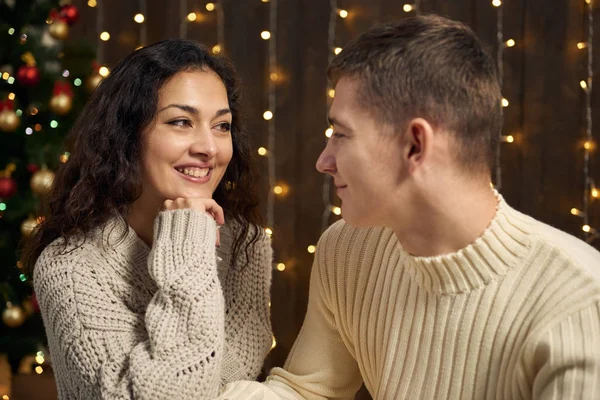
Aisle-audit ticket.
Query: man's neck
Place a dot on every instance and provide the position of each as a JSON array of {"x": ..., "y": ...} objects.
[{"x": 445, "y": 221}]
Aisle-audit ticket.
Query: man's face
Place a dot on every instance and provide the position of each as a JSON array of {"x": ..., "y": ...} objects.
[{"x": 363, "y": 157}]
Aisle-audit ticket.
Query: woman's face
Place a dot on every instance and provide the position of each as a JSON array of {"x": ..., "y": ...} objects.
[{"x": 186, "y": 149}]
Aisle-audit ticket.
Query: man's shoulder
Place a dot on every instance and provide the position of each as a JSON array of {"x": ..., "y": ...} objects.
[{"x": 576, "y": 253}]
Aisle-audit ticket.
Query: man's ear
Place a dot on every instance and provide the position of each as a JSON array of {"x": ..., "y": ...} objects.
[{"x": 418, "y": 143}]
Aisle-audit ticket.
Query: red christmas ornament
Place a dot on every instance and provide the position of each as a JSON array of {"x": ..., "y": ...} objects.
[
  {"x": 69, "y": 13},
  {"x": 34, "y": 302},
  {"x": 61, "y": 87},
  {"x": 28, "y": 75},
  {"x": 8, "y": 187},
  {"x": 32, "y": 168}
]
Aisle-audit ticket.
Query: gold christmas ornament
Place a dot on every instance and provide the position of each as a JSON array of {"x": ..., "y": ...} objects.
[
  {"x": 28, "y": 226},
  {"x": 13, "y": 316},
  {"x": 93, "y": 81},
  {"x": 59, "y": 30},
  {"x": 9, "y": 121},
  {"x": 61, "y": 104},
  {"x": 42, "y": 181}
]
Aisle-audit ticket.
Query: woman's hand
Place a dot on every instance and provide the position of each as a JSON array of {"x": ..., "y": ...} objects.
[{"x": 201, "y": 204}]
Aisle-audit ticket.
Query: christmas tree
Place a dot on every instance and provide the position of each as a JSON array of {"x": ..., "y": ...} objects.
[{"x": 45, "y": 78}]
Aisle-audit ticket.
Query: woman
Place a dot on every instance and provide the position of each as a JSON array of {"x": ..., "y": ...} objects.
[{"x": 136, "y": 300}]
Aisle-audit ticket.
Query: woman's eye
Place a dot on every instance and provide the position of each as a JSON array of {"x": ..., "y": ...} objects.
[
  {"x": 180, "y": 122},
  {"x": 224, "y": 127},
  {"x": 338, "y": 135}
]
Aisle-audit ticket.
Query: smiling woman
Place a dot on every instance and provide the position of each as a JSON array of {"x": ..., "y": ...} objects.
[{"x": 142, "y": 295}]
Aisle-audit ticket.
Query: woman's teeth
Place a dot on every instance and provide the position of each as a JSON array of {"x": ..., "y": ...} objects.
[{"x": 195, "y": 172}]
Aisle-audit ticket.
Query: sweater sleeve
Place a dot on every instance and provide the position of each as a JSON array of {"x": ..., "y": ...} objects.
[
  {"x": 319, "y": 365},
  {"x": 566, "y": 358},
  {"x": 174, "y": 349}
]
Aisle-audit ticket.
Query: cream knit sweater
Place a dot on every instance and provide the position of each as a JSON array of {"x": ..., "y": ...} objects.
[
  {"x": 515, "y": 315},
  {"x": 172, "y": 322}
]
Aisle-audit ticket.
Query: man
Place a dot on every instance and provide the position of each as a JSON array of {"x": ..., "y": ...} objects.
[{"x": 433, "y": 287}]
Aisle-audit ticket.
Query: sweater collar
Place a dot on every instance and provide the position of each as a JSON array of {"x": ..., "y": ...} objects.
[{"x": 502, "y": 246}]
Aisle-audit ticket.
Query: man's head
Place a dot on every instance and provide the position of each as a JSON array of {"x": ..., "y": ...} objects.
[{"x": 411, "y": 79}]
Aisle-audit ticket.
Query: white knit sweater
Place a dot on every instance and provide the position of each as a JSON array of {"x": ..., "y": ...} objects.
[
  {"x": 515, "y": 315},
  {"x": 172, "y": 322}
]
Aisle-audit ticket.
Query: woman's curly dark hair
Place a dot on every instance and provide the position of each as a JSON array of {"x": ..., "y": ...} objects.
[{"x": 103, "y": 177}]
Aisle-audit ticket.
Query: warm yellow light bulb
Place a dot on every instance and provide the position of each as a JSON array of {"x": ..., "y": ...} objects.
[
  {"x": 509, "y": 139},
  {"x": 267, "y": 115},
  {"x": 92, "y": 3},
  {"x": 269, "y": 232},
  {"x": 407, "y": 7},
  {"x": 496, "y": 3},
  {"x": 595, "y": 193},
  {"x": 587, "y": 145},
  {"x": 39, "y": 359},
  {"x": 103, "y": 71},
  {"x": 139, "y": 18},
  {"x": 262, "y": 151},
  {"x": 5, "y": 397},
  {"x": 510, "y": 43},
  {"x": 581, "y": 45},
  {"x": 331, "y": 93},
  {"x": 192, "y": 17},
  {"x": 11, "y": 96},
  {"x": 105, "y": 36},
  {"x": 583, "y": 85},
  {"x": 266, "y": 35},
  {"x": 505, "y": 103},
  {"x": 274, "y": 343},
  {"x": 586, "y": 228},
  {"x": 337, "y": 210},
  {"x": 210, "y": 6},
  {"x": 311, "y": 249},
  {"x": 274, "y": 76},
  {"x": 277, "y": 189},
  {"x": 39, "y": 370},
  {"x": 329, "y": 132},
  {"x": 216, "y": 49},
  {"x": 575, "y": 211},
  {"x": 5, "y": 75},
  {"x": 337, "y": 50},
  {"x": 343, "y": 13},
  {"x": 281, "y": 267}
]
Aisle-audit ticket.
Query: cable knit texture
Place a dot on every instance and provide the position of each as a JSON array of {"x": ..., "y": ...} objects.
[
  {"x": 174, "y": 321},
  {"x": 515, "y": 315}
]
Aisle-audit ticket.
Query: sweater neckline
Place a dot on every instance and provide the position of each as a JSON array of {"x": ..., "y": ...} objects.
[{"x": 503, "y": 245}]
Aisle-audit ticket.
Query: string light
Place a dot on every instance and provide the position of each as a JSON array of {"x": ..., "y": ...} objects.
[
  {"x": 408, "y": 7},
  {"x": 589, "y": 189},
  {"x": 581, "y": 45},
  {"x": 105, "y": 36},
  {"x": 104, "y": 71},
  {"x": 210, "y": 6},
  {"x": 266, "y": 35},
  {"x": 192, "y": 16},
  {"x": 342, "y": 13},
  {"x": 576, "y": 212},
  {"x": 331, "y": 93},
  {"x": 140, "y": 19},
  {"x": 269, "y": 232},
  {"x": 326, "y": 192},
  {"x": 268, "y": 116},
  {"x": 501, "y": 44},
  {"x": 262, "y": 151},
  {"x": 311, "y": 249}
]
